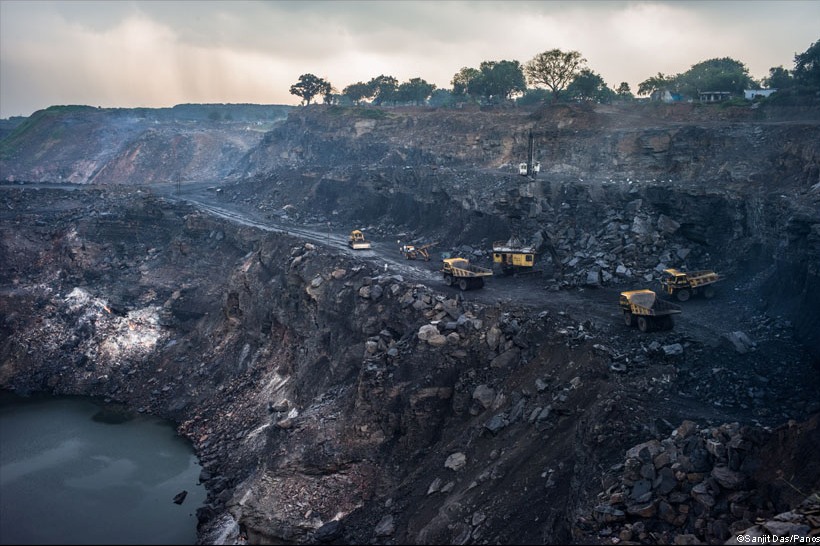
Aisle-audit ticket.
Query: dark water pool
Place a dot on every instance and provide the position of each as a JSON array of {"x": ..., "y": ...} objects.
[{"x": 73, "y": 471}]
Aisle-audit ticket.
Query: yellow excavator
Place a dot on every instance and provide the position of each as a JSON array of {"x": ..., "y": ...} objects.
[
  {"x": 412, "y": 252},
  {"x": 513, "y": 257}
]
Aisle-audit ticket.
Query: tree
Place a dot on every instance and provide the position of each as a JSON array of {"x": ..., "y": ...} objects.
[
  {"x": 779, "y": 78},
  {"x": 357, "y": 92},
  {"x": 624, "y": 92},
  {"x": 384, "y": 89},
  {"x": 310, "y": 86},
  {"x": 655, "y": 84},
  {"x": 501, "y": 79},
  {"x": 441, "y": 97},
  {"x": 723, "y": 74},
  {"x": 588, "y": 85},
  {"x": 416, "y": 90},
  {"x": 554, "y": 69},
  {"x": 463, "y": 79},
  {"x": 329, "y": 94},
  {"x": 807, "y": 67}
]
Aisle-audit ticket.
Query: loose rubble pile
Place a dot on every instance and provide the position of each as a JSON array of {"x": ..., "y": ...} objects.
[{"x": 701, "y": 486}]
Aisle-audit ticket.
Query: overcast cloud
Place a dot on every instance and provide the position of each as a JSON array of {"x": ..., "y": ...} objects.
[{"x": 157, "y": 54}]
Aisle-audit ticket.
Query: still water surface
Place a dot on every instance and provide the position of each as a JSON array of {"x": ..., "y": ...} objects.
[{"x": 75, "y": 472}]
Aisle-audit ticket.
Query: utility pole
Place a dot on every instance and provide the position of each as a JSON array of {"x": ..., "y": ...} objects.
[{"x": 529, "y": 156}]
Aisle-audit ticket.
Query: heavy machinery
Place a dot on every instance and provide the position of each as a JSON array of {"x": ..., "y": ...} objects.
[
  {"x": 513, "y": 257},
  {"x": 412, "y": 252},
  {"x": 529, "y": 169},
  {"x": 357, "y": 241},
  {"x": 460, "y": 272},
  {"x": 684, "y": 285},
  {"x": 644, "y": 309}
]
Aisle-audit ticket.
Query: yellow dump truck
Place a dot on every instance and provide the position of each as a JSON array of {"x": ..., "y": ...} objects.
[
  {"x": 683, "y": 285},
  {"x": 357, "y": 241},
  {"x": 644, "y": 309},
  {"x": 460, "y": 272}
]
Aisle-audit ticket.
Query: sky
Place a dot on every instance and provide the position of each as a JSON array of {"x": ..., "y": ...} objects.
[{"x": 120, "y": 53}]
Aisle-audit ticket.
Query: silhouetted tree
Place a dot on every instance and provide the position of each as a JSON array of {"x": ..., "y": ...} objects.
[
  {"x": 310, "y": 86},
  {"x": 416, "y": 90},
  {"x": 358, "y": 92},
  {"x": 779, "y": 78},
  {"x": 463, "y": 79},
  {"x": 384, "y": 89},
  {"x": 656, "y": 84},
  {"x": 502, "y": 79},
  {"x": 807, "y": 67},
  {"x": 624, "y": 92},
  {"x": 588, "y": 85},
  {"x": 554, "y": 69}
]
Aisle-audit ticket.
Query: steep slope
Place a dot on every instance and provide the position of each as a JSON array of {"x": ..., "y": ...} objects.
[{"x": 346, "y": 397}]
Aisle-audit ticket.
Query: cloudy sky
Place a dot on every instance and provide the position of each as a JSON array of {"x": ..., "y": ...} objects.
[{"x": 161, "y": 53}]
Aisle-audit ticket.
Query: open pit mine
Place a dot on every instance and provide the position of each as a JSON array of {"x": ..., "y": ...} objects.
[{"x": 500, "y": 355}]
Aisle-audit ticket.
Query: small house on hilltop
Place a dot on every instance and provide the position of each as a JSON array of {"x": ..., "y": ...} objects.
[
  {"x": 714, "y": 96},
  {"x": 664, "y": 95},
  {"x": 752, "y": 94}
]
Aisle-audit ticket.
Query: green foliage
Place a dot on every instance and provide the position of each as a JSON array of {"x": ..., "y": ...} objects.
[
  {"x": 534, "y": 96},
  {"x": 779, "y": 78},
  {"x": 463, "y": 80},
  {"x": 655, "y": 84},
  {"x": 384, "y": 89},
  {"x": 807, "y": 67},
  {"x": 310, "y": 86},
  {"x": 734, "y": 103},
  {"x": 624, "y": 92},
  {"x": 589, "y": 86},
  {"x": 554, "y": 69},
  {"x": 493, "y": 81},
  {"x": 358, "y": 92},
  {"x": 724, "y": 74},
  {"x": 416, "y": 90},
  {"x": 441, "y": 98},
  {"x": 501, "y": 80}
]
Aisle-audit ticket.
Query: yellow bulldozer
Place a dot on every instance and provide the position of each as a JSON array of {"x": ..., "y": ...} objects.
[
  {"x": 357, "y": 241},
  {"x": 412, "y": 252},
  {"x": 683, "y": 285}
]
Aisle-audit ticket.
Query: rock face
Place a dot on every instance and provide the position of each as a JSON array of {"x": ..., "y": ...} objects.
[{"x": 344, "y": 397}]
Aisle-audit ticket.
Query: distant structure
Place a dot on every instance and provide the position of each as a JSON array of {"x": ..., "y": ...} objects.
[
  {"x": 714, "y": 96},
  {"x": 752, "y": 94}
]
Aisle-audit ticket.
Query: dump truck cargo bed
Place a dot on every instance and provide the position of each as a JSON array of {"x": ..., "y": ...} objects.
[{"x": 647, "y": 311}]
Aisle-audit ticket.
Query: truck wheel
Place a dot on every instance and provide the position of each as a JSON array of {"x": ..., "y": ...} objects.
[
  {"x": 479, "y": 283},
  {"x": 628, "y": 318},
  {"x": 462, "y": 283},
  {"x": 683, "y": 295},
  {"x": 448, "y": 280},
  {"x": 643, "y": 324},
  {"x": 667, "y": 323},
  {"x": 709, "y": 292}
]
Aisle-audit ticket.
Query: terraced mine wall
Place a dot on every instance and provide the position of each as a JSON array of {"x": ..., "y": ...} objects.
[{"x": 333, "y": 401}]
